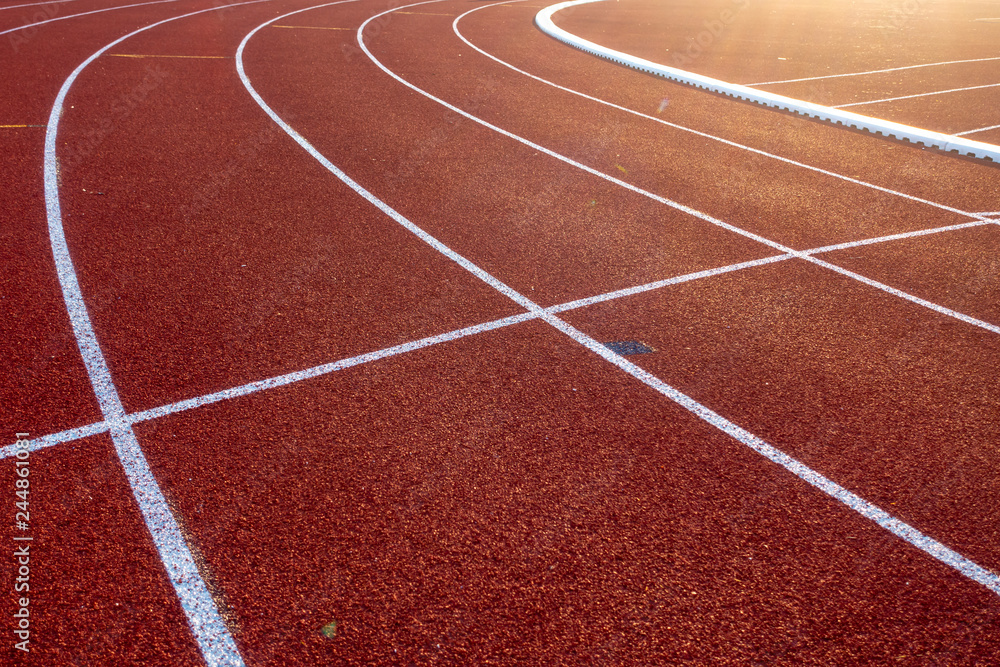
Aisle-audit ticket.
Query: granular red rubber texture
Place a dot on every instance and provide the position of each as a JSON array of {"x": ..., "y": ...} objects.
[
  {"x": 44, "y": 387},
  {"x": 98, "y": 593},
  {"x": 43, "y": 384},
  {"x": 958, "y": 269},
  {"x": 749, "y": 191}
]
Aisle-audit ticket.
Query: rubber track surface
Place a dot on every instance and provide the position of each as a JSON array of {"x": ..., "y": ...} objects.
[{"x": 502, "y": 496}]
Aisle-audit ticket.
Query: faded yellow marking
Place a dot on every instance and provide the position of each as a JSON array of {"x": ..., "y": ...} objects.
[
  {"x": 22, "y": 126},
  {"x": 310, "y": 27},
  {"x": 148, "y": 55}
]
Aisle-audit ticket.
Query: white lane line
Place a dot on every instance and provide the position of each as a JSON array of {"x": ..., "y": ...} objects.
[
  {"x": 981, "y": 129},
  {"x": 683, "y": 128},
  {"x": 310, "y": 27},
  {"x": 37, "y": 4},
  {"x": 57, "y": 438},
  {"x": 901, "y": 529},
  {"x": 873, "y": 71},
  {"x": 316, "y": 371},
  {"x": 897, "y": 237},
  {"x": 367, "y": 357},
  {"x": 638, "y": 289},
  {"x": 269, "y": 383},
  {"x": 909, "y": 297},
  {"x": 210, "y": 631},
  {"x": 858, "y": 504},
  {"x": 673, "y": 204},
  {"x": 910, "y": 97},
  {"x": 96, "y": 11},
  {"x": 150, "y": 55}
]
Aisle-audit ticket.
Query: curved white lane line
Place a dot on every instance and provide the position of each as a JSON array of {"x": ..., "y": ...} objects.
[
  {"x": 727, "y": 142},
  {"x": 945, "y": 142},
  {"x": 910, "y": 97},
  {"x": 210, "y": 632},
  {"x": 980, "y": 129},
  {"x": 874, "y": 71},
  {"x": 855, "y": 502},
  {"x": 289, "y": 378},
  {"x": 365, "y": 358},
  {"x": 96, "y": 11},
  {"x": 100, "y": 427},
  {"x": 980, "y": 219}
]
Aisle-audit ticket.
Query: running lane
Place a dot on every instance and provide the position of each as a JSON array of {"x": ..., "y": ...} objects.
[
  {"x": 784, "y": 203},
  {"x": 45, "y": 384},
  {"x": 99, "y": 592},
  {"x": 512, "y": 498},
  {"x": 507, "y": 31}
]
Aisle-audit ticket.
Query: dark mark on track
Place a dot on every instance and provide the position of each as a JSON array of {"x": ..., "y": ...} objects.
[{"x": 628, "y": 347}]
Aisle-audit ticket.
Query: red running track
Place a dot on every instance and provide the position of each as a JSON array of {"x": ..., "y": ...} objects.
[{"x": 506, "y": 497}]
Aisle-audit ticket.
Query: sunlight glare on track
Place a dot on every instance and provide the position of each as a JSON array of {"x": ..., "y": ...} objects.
[
  {"x": 874, "y": 71},
  {"x": 699, "y": 133},
  {"x": 916, "y": 136},
  {"x": 669, "y": 202},
  {"x": 909, "y": 97}
]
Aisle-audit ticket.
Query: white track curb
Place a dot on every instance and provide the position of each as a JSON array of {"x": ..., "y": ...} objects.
[{"x": 915, "y": 135}]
